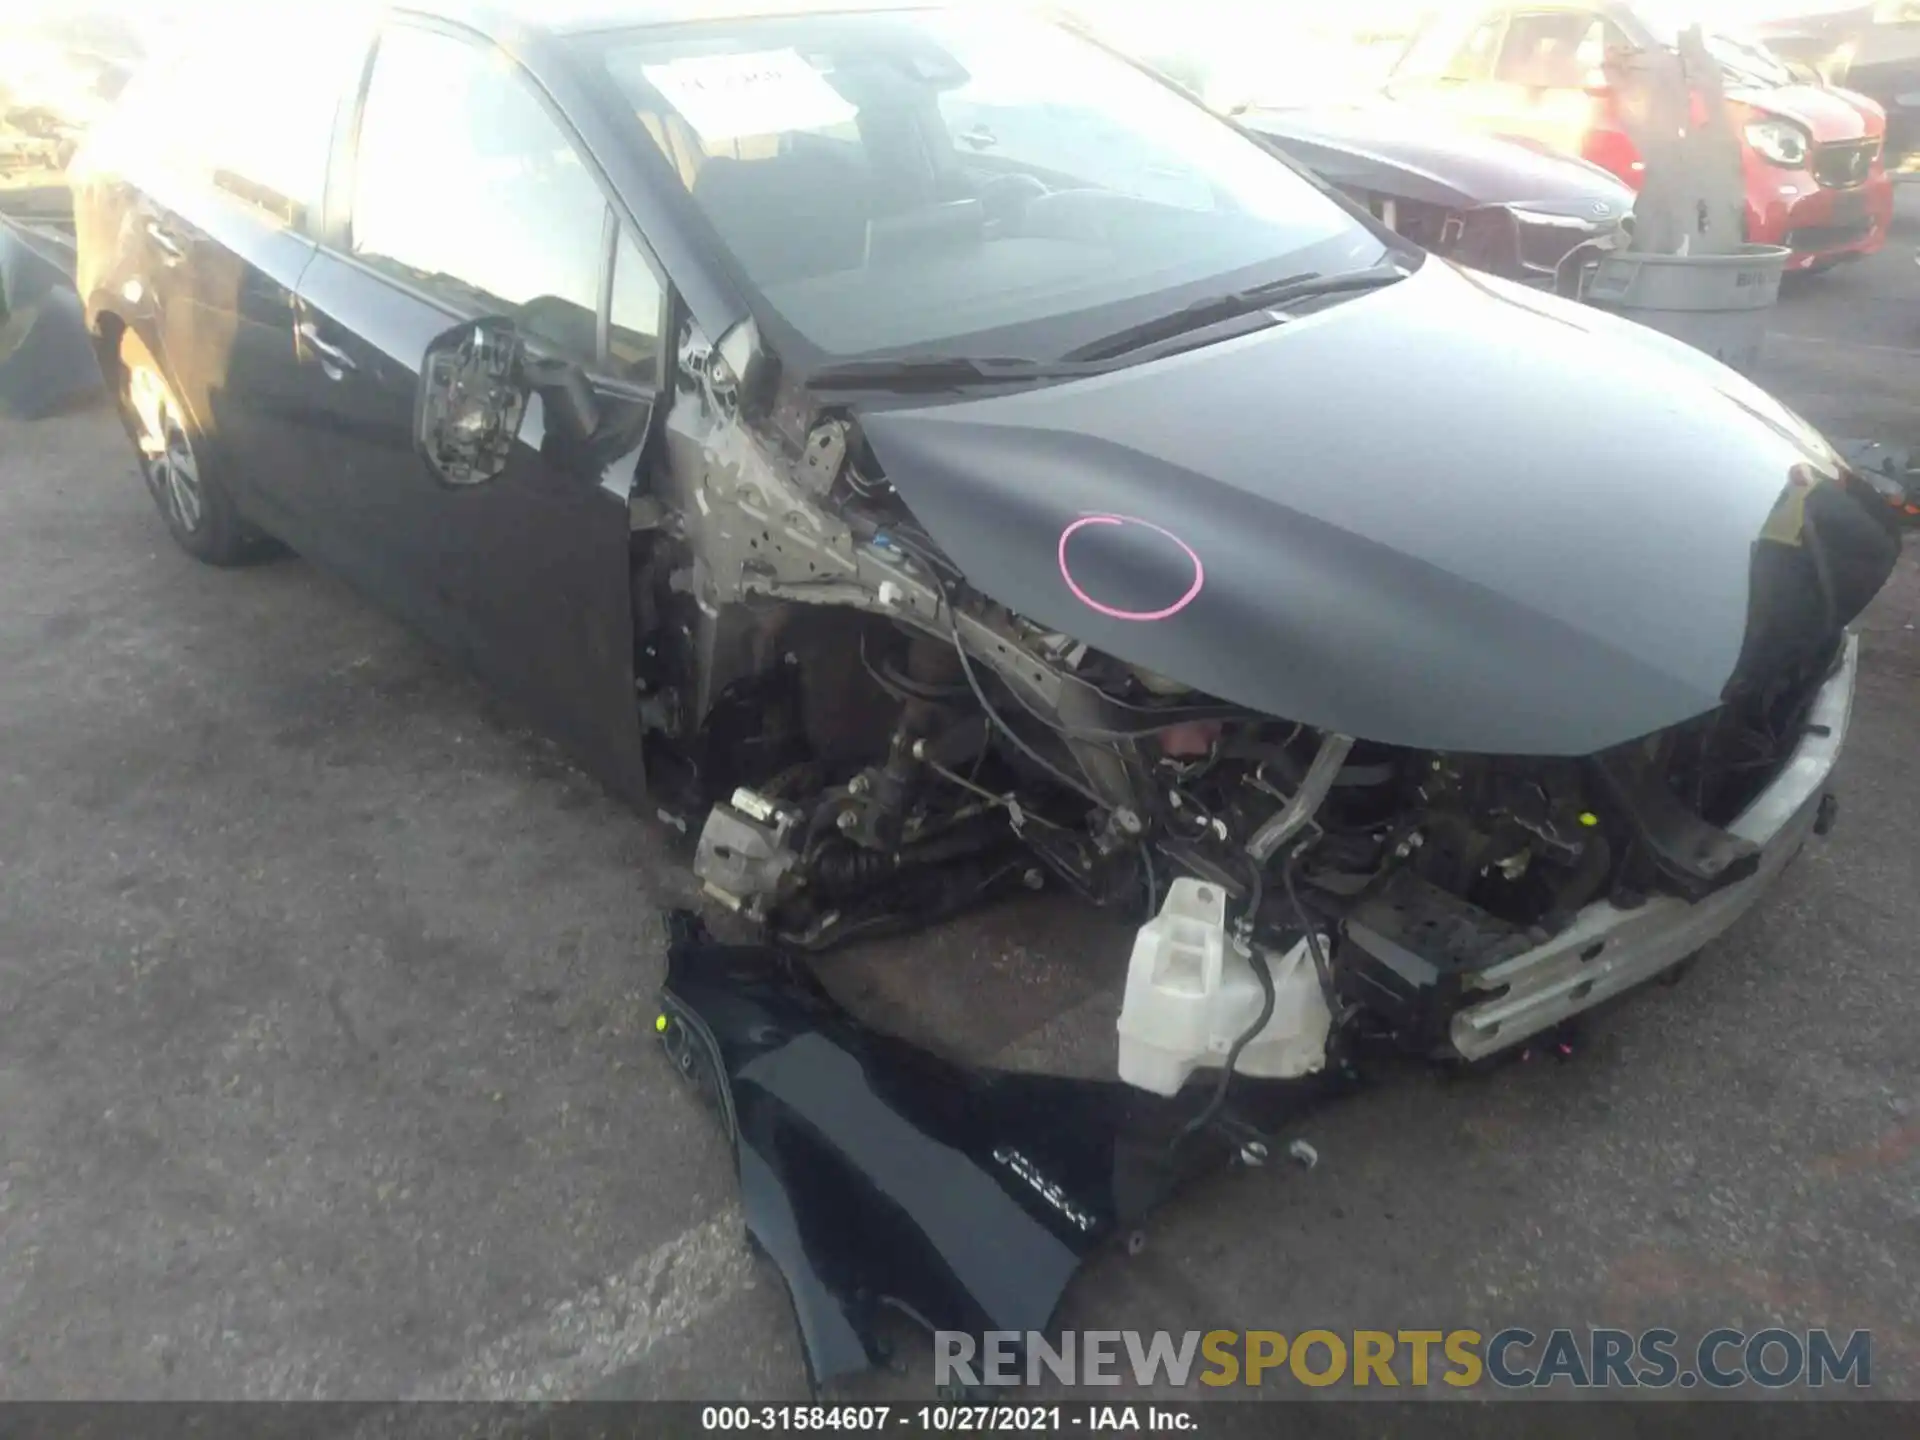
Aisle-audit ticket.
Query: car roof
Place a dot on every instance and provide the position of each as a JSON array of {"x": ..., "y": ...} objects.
[{"x": 565, "y": 17}]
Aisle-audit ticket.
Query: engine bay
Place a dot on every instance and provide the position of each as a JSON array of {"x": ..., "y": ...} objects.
[{"x": 876, "y": 745}]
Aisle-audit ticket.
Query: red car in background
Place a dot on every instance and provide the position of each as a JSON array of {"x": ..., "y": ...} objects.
[{"x": 1816, "y": 176}]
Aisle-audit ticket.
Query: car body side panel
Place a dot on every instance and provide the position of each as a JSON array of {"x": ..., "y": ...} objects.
[
  {"x": 524, "y": 577},
  {"x": 207, "y": 282},
  {"x": 119, "y": 272},
  {"x": 228, "y": 279}
]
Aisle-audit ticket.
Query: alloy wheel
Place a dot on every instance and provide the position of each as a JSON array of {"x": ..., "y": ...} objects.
[{"x": 166, "y": 452}]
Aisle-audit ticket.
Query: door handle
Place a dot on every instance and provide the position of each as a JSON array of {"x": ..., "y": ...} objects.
[
  {"x": 335, "y": 361},
  {"x": 164, "y": 241},
  {"x": 979, "y": 137}
]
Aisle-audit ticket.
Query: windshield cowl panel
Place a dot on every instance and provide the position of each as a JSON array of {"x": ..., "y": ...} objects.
[{"x": 957, "y": 182}]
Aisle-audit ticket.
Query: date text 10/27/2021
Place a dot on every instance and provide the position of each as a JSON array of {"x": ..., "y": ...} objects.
[{"x": 949, "y": 1419}]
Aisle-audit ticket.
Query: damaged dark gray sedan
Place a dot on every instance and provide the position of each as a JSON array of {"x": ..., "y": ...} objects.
[{"x": 932, "y": 458}]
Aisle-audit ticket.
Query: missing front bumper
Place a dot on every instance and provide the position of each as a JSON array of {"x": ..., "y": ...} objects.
[{"x": 1607, "y": 951}]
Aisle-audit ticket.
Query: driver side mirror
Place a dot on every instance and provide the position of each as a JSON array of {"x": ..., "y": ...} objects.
[{"x": 475, "y": 382}]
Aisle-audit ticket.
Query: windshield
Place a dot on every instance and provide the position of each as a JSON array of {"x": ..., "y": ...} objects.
[{"x": 970, "y": 182}]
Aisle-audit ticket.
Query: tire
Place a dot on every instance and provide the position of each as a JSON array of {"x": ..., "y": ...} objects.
[{"x": 198, "y": 509}]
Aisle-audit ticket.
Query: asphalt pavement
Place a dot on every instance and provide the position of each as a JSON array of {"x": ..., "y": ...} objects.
[{"x": 326, "y": 1056}]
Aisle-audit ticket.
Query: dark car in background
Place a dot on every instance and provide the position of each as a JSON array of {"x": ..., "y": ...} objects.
[
  {"x": 1504, "y": 206},
  {"x": 1307, "y": 82},
  {"x": 1815, "y": 176}
]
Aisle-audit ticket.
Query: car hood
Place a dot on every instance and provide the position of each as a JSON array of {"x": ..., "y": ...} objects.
[
  {"x": 1384, "y": 148},
  {"x": 1830, "y": 116},
  {"x": 1451, "y": 514}
]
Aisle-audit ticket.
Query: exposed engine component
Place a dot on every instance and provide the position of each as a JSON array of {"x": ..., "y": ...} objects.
[
  {"x": 743, "y": 856},
  {"x": 1298, "y": 812},
  {"x": 1192, "y": 993},
  {"x": 1407, "y": 950}
]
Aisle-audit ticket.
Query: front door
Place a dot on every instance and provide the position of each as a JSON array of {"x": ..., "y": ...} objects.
[{"x": 480, "y": 203}]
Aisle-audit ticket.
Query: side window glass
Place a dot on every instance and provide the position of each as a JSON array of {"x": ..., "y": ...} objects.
[
  {"x": 1449, "y": 51},
  {"x": 1473, "y": 61},
  {"x": 465, "y": 186},
  {"x": 271, "y": 143},
  {"x": 1544, "y": 52},
  {"x": 228, "y": 113},
  {"x": 633, "y": 334}
]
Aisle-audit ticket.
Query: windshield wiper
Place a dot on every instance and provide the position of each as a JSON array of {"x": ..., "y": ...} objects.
[
  {"x": 948, "y": 372},
  {"x": 942, "y": 372},
  {"x": 1272, "y": 295}
]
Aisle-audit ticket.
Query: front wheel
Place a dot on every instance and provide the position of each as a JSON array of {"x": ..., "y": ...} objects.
[{"x": 199, "y": 512}]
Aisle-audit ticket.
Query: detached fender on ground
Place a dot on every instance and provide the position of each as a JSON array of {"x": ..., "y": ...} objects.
[{"x": 47, "y": 364}]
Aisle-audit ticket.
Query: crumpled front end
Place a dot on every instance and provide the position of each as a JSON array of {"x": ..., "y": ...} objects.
[
  {"x": 1358, "y": 676},
  {"x": 1422, "y": 670},
  {"x": 1458, "y": 984}
]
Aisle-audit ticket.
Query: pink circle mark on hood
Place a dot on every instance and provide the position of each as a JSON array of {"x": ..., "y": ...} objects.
[{"x": 1111, "y": 612}]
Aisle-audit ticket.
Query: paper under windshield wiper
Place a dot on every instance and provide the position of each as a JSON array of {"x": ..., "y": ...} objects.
[
  {"x": 1273, "y": 295},
  {"x": 938, "y": 372}
]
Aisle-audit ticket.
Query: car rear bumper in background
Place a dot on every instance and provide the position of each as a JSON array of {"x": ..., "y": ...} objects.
[{"x": 1607, "y": 951}]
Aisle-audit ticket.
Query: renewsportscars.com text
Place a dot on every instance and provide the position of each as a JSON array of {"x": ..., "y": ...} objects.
[{"x": 1581, "y": 1359}]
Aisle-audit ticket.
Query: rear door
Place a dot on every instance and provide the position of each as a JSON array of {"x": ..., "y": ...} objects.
[
  {"x": 468, "y": 195},
  {"x": 230, "y": 160},
  {"x": 268, "y": 113}
]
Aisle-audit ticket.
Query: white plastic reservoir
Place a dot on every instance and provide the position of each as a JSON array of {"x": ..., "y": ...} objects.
[{"x": 1191, "y": 994}]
